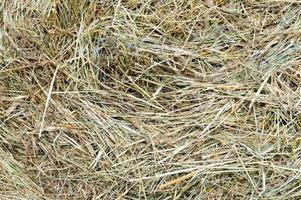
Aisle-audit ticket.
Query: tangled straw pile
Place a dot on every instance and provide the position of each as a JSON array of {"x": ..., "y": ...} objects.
[{"x": 153, "y": 99}]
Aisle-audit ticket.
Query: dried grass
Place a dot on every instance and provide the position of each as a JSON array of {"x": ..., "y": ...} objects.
[{"x": 150, "y": 99}]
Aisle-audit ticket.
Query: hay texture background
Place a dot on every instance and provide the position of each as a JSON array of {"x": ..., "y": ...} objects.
[{"x": 152, "y": 99}]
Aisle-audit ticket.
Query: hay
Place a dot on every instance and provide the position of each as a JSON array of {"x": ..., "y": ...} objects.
[{"x": 150, "y": 99}]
